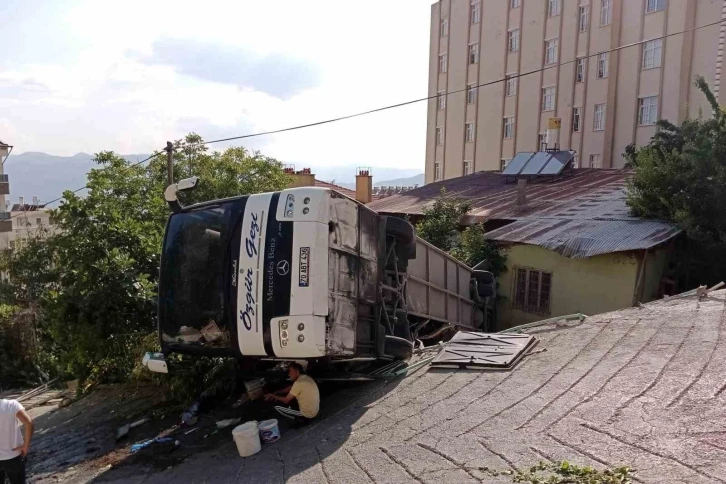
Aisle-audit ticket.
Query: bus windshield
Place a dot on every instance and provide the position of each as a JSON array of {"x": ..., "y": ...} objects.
[{"x": 192, "y": 305}]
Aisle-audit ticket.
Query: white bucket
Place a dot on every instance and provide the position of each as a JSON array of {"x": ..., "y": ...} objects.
[
  {"x": 247, "y": 438},
  {"x": 269, "y": 431}
]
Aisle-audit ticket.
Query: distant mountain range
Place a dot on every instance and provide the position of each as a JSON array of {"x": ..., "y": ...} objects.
[{"x": 47, "y": 176}]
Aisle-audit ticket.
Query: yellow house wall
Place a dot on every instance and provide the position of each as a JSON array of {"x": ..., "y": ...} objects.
[{"x": 591, "y": 286}]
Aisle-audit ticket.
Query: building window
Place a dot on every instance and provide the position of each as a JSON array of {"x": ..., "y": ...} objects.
[
  {"x": 467, "y": 168},
  {"x": 550, "y": 51},
  {"x": 548, "y": 99},
  {"x": 444, "y": 27},
  {"x": 598, "y": 123},
  {"x": 602, "y": 65},
  {"x": 509, "y": 127},
  {"x": 514, "y": 3},
  {"x": 511, "y": 86},
  {"x": 503, "y": 163},
  {"x": 437, "y": 171},
  {"x": 441, "y": 100},
  {"x": 532, "y": 291},
  {"x": 580, "y": 69},
  {"x": 595, "y": 161},
  {"x": 443, "y": 63},
  {"x": 652, "y": 53},
  {"x": 440, "y": 135},
  {"x": 553, "y": 8},
  {"x": 542, "y": 140},
  {"x": 475, "y": 12},
  {"x": 606, "y": 12},
  {"x": 473, "y": 53},
  {"x": 584, "y": 16},
  {"x": 654, "y": 5},
  {"x": 576, "y": 161},
  {"x": 577, "y": 119},
  {"x": 38, "y": 222},
  {"x": 648, "y": 111},
  {"x": 471, "y": 94},
  {"x": 470, "y": 132},
  {"x": 513, "y": 40}
]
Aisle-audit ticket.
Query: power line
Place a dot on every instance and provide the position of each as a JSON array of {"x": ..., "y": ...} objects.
[{"x": 414, "y": 101}]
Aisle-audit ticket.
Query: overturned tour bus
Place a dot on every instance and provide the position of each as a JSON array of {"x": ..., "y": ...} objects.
[{"x": 304, "y": 274}]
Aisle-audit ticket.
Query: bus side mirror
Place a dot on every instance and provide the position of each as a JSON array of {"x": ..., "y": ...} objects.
[{"x": 184, "y": 185}]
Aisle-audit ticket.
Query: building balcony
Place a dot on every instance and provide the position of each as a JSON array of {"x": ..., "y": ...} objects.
[{"x": 4, "y": 185}]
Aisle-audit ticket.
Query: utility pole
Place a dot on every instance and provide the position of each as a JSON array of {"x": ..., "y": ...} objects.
[{"x": 169, "y": 163}]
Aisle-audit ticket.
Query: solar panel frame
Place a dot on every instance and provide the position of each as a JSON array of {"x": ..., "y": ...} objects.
[
  {"x": 517, "y": 164},
  {"x": 536, "y": 163},
  {"x": 555, "y": 165}
]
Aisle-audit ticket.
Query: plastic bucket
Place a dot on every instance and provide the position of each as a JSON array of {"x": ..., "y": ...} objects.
[
  {"x": 247, "y": 439},
  {"x": 269, "y": 431}
]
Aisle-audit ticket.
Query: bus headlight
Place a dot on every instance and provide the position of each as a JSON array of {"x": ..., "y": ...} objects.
[{"x": 290, "y": 206}]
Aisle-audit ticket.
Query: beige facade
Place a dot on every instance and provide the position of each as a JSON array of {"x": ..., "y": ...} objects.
[{"x": 606, "y": 101}]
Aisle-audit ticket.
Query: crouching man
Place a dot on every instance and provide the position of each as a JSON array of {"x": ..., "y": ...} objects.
[
  {"x": 13, "y": 447},
  {"x": 301, "y": 399}
]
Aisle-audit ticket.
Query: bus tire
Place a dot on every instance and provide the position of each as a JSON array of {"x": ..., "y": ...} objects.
[
  {"x": 398, "y": 348},
  {"x": 404, "y": 233}
]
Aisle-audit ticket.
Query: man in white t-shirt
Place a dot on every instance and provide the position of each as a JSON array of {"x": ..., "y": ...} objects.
[{"x": 13, "y": 447}]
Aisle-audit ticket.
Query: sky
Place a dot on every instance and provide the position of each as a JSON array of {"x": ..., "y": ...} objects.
[{"x": 90, "y": 75}]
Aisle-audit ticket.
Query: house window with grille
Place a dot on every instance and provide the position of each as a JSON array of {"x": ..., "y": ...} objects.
[
  {"x": 551, "y": 51},
  {"x": 654, "y": 5},
  {"x": 548, "y": 99},
  {"x": 444, "y": 27},
  {"x": 532, "y": 291},
  {"x": 576, "y": 119},
  {"x": 473, "y": 53},
  {"x": 437, "y": 171},
  {"x": 443, "y": 63},
  {"x": 470, "y": 132},
  {"x": 503, "y": 163},
  {"x": 598, "y": 122},
  {"x": 553, "y": 8},
  {"x": 467, "y": 168},
  {"x": 475, "y": 12},
  {"x": 576, "y": 161},
  {"x": 602, "y": 65},
  {"x": 652, "y": 53},
  {"x": 511, "y": 85},
  {"x": 606, "y": 13},
  {"x": 595, "y": 161},
  {"x": 441, "y": 100},
  {"x": 514, "y": 3},
  {"x": 513, "y": 40},
  {"x": 471, "y": 94},
  {"x": 648, "y": 111},
  {"x": 583, "y": 17},
  {"x": 580, "y": 70},
  {"x": 440, "y": 135},
  {"x": 542, "y": 141},
  {"x": 509, "y": 127}
]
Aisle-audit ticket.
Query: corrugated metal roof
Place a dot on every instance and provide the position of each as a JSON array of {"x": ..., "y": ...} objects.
[
  {"x": 579, "y": 239},
  {"x": 578, "y": 216},
  {"x": 494, "y": 196}
]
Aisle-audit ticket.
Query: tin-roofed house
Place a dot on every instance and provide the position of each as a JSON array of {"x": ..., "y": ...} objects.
[{"x": 572, "y": 245}]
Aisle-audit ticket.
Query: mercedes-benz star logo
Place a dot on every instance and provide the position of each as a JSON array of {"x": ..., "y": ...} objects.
[{"x": 283, "y": 267}]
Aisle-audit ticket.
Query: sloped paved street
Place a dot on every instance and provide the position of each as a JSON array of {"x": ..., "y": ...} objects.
[{"x": 640, "y": 387}]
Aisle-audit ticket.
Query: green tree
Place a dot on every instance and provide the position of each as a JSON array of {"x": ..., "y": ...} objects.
[
  {"x": 441, "y": 221},
  {"x": 97, "y": 300},
  {"x": 474, "y": 248},
  {"x": 441, "y": 227},
  {"x": 681, "y": 177}
]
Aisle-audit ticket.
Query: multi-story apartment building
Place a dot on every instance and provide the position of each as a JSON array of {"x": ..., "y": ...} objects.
[
  {"x": 538, "y": 59},
  {"x": 5, "y": 223}
]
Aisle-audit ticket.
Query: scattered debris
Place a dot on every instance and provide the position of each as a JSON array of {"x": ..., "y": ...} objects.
[
  {"x": 254, "y": 388},
  {"x": 228, "y": 422},
  {"x": 192, "y": 421},
  {"x": 36, "y": 391},
  {"x": 159, "y": 440},
  {"x": 190, "y": 431},
  {"x": 484, "y": 351},
  {"x": 140, "y": 422},
  {"x": 191, "y": 412},
  {"x": 122, "y": 432}
]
